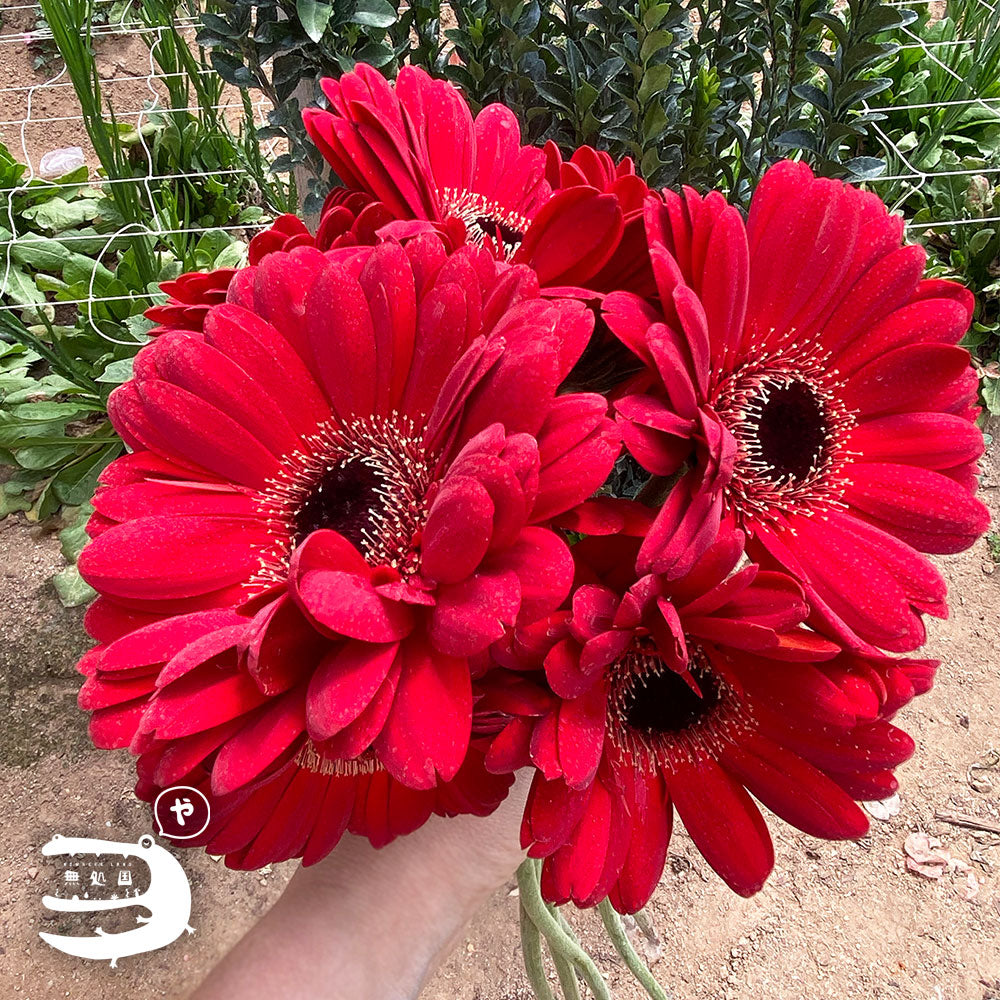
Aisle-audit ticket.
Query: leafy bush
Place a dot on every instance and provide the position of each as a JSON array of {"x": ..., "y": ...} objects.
[
  {"x": 705, "y": 92},
  {"x": 58, "y": 362},
  {"x": 941, "y": 137}
]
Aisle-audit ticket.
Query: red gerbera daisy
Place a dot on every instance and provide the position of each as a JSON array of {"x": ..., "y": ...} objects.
[
  {"x": 812, "y": 382},
  {"x": 186, "y": 678},
  {"x": 688, "y": 694},
  {"x": 190, "y": 296},
  {"x": 360, "y": 456},
  {"x": 417, "y": 149},
  {"x": 349, "y": 218}
]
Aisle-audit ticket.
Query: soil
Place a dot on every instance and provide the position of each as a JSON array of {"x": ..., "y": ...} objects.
[
  {"x": 835, "y": 921},
  {"x": 35, "y": 121}
]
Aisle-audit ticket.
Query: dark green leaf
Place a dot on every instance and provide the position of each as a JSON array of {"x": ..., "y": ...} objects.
[
  {"x": 865, "y": 168},
  {"x": 373, "y": 13},
  {"x": 314, "y": 16},
  {"x": 231, "y": 69},
  {"x": 796, "y": 138}
]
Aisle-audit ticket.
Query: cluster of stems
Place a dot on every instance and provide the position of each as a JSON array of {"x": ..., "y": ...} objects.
[{"x": 541, "y": 920}]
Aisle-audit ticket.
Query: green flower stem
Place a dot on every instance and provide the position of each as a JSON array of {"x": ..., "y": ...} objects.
[
  {"x": 568, "y": 982},
  {"x": 616, "y": 931},
  {"x": 531, "y": 948},
  {"x": 563, "y": 922},
  {"x": 564, "y": 969},
  {"x": 556, "y": 938}
]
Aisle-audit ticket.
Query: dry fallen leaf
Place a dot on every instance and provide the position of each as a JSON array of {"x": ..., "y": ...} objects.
[
  {"x": 923, "y": 856},
  {"x": 969, "y": 889},
  {"x": 926, "y": 857}
]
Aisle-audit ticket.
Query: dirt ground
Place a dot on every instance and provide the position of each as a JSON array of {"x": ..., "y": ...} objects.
[{"x": 837, "y": 921}]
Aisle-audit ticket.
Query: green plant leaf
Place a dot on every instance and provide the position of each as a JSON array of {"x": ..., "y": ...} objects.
[
  {"x": 865, "y": 168},
  {"x": 19, "y": 287},
  {"x": 72, "y": 589},
  {"x": 233, "y": 255},
  {"x": 231, "y": 69},
  {"x": 75, "y": 483},
  {"x": 314, "y": 16},
  {"x": 57, "y": 214},
  {"x": 73, "y": 538},
  {"x": 373, "y": 13},
  {"x": 40, "y": 254},
  {"x": 991, "y": 395},
  {"x": 117, "y": 372}
]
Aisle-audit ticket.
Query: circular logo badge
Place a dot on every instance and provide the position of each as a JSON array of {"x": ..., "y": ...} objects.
[{"x": 181, "y": 812}]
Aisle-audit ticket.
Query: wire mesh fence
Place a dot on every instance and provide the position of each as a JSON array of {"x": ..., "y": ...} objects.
[{"x": 157, "y": 202}]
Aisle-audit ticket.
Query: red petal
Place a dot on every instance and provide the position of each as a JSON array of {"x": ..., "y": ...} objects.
[
  {"x": 651, "y": 827},
  {"x": 427, "y": 733},
  {"x": 347, "y": 605},
  {"x": 724, "y": 824},
  {"x": 472, "y": 614},
  {"x": 200, "y": 701},
  {"x": 581, "y": 735},
  {"x": 259, "y": 742},
  {"x": 344, "y": 684},
  {"x": 159, "y": 558},
  {"x": 341, "y": 337},
  {"x": 544, "y": 568},
  {"x": 573, "y": 236},
  {"x": 358, "y": 735},
  {"x": 457, "y": 533},
  {"x": 163, "y": 639},
  {"x": 925, "y": 509}
]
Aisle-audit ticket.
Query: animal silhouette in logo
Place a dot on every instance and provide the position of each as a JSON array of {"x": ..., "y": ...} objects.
[{"x": 168, "y": 900}]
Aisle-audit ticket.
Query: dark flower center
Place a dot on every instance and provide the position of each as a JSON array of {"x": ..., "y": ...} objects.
[
  {"x": 659, "y": 718},
  {"x": 500, "y": 232},
  {"x": 344, "y": 499},
  {"x": 791, "y": 430},
  {"x": 665, "y": 702},
  {"x": 367, "y": 479},
  {"x": 487, "y": 222}
]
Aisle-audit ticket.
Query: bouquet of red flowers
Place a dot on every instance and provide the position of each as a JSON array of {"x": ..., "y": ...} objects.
[{"x": 518, "y": 464}]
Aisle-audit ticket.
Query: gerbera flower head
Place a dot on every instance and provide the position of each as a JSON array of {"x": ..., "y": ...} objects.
[
  {"x": 693, "y": 694},
  {"x": 360, "y": 459},
  {"x": 809, "y": 381},
  {"x": 189, "y": 297},
  {"x": 175, "y": 690},
  {"x": 416, "y": 148}
]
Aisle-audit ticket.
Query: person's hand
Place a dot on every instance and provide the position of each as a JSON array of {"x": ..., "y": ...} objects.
[{"x": 368, "y": 924}]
